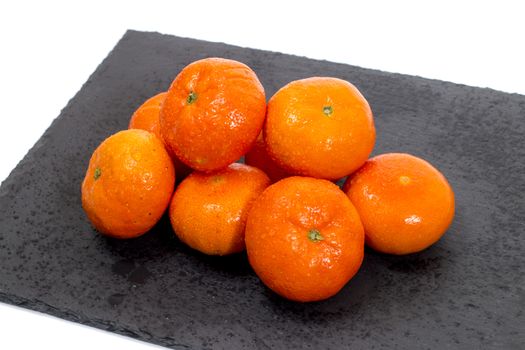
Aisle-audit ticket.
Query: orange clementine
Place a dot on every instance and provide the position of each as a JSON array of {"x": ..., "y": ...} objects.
[
  {"x": 320, "y": 127},
  {"x": 128, "y": 184},
  {"x": 147, "y": 117},
  {"x": 208, "y": 211},
  {"x": 213, "y": 112},
  {"x": 405, "y": 203},
  {"x": 258, "y": 157},
  {"x": 304, "y": 238}
]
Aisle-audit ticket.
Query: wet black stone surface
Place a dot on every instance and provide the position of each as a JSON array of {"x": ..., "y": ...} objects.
[{"x": 465, "y": 292}]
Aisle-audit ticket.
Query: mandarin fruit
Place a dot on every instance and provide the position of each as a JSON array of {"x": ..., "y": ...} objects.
[
  {"x": 258, "y": 157},
  {"x": 147, "y": 117},
  {"x": 304, "y": 238},
  {"x": 128, "y": 184},
  {"x": 319, "y": 127},
  {"x": 208, "y": 211},
  {"x": 213, "y": 112},
  {"x": 405, "y": 203}
]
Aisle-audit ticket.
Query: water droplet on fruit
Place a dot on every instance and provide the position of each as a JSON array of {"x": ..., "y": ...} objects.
[
  {"x": 412, "y": 220},
  {"x": 404, "y": 180}
]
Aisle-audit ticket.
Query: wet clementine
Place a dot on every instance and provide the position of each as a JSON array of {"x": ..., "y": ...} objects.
[
  {"x": 147, "y": 117},
  {"x": 213, "y": 112},
  {"x": 128, "y": 184},
  {"x": 208, "y": 211},
  {"x": 259, "y": 158},
  {"x": 405, "y": 203},
  {"x": 319, "y": 127},
  {"x": 304, "y": 238}
]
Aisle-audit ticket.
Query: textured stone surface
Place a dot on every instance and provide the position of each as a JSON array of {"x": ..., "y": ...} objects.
[{"x": 465, "y": 292}]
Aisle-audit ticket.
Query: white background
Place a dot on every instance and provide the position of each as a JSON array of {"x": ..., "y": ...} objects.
[{"x": 48, "y": 49}]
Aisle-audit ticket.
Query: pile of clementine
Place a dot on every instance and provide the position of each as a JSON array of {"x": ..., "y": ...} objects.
[{"x": 304, "y": 236}]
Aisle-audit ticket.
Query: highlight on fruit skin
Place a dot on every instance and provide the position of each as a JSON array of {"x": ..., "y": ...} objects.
[
  {"x": 128, "y": 184},
  {"x": 213, "y": 112},
  {"x": 208, "y": 211},
  {"x": 304, "y": 238},
  {"x": 405, "y": 204},
  {"x": 321, "y": 127}
]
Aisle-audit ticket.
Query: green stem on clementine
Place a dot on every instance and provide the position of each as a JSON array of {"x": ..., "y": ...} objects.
[
  {"x": 98, "y": 172},
  {"x": 328, "y": 110},
  {"x": 315, "y": 236},
  {"x": 192, "y": 97}
]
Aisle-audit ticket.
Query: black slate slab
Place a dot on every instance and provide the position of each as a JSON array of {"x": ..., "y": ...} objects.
[{"x": 465, "y": 292}]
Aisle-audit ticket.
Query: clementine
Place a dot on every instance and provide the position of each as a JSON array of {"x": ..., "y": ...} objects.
[
  {"x": 258, "y": 157},
  {"x": 405, "y": 203},
  {"x": 213, "y": 112},
  {"x": 147, "y": 117},
  {"x": 128, "y": 184},
  {"x": 208, "y": 211},
  {"x": 320, "y": 127},
  {"x": 304, "y": 238}
]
